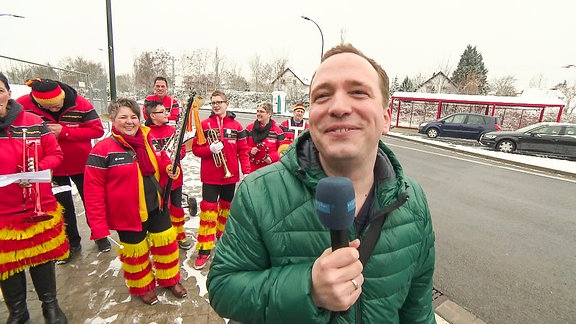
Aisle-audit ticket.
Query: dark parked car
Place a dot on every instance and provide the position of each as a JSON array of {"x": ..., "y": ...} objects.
[
  {"x": 461, "y": 125},
  {"x": 550, "y": 139}
]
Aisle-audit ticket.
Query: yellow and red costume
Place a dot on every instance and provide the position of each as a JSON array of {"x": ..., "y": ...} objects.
[
  {"x": 28, "y": 244},
  {"x": 118, "y": 197}
]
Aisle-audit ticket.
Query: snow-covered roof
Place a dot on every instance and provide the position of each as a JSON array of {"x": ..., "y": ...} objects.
[
  {"x": 527, "y": 101},
  {"x": 302, "y": 77}
]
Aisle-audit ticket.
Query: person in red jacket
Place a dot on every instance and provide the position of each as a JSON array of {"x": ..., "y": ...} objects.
[
  {"x": 75, "y": 123},
  {"x": 295, "y": 125},
  {"x": 27, "y": 242},
  {"x": 221, "y": 157},
  {"x": 157, "y": 119},
  {"x": 265, "y": 138},
  {"x": 122, "y": 185},
  {"x": 161, "y": 94}
]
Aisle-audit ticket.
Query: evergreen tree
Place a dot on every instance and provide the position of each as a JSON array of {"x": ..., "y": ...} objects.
[
  {"x": 407, "y": 85},
  {"x": 471, "y": 75},
  {"x": 394, "y": 86}
]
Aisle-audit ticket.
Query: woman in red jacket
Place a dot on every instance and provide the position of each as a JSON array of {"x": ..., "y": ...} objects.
[
  {"x": 265, "y": 138},
  {"x": 75, "y": 123},
  {"x": 25, "y": 242},
  {"x": 122, "y": 190}
]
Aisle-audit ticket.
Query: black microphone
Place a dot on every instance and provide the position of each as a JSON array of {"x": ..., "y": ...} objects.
[{"x": 336, "y": 206}]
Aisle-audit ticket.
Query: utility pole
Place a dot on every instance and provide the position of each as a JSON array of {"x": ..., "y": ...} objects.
[{"x": 111, "y": 68}]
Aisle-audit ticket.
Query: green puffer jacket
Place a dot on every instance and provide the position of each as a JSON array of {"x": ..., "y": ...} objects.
[{"x": 262, "y": 267}]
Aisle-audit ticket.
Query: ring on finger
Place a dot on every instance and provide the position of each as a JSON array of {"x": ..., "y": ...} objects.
[{"x": 355, "y": 283}]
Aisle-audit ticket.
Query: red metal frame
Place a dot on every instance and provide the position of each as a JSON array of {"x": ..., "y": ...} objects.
[{"x": 497, "y": 102}]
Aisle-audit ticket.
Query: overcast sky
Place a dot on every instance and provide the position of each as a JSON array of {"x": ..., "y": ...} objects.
[{"x": 520, "y": 38}]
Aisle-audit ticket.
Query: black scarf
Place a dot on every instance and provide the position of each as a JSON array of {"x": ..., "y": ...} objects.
[
  {"x": 12, "y": 110},
  {"x": 260, "y": 133}
]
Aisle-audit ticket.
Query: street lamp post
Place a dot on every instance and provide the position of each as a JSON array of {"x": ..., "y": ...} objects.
[
  {"x": 11, "y": 15},
  {"x": 321, "y": 35},
  {"x": 111, "y": 68}
]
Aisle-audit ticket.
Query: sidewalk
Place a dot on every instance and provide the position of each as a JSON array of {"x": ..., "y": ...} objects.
[{"x": 91, "y": 288}]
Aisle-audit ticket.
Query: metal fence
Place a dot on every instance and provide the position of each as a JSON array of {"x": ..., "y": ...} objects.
[{"x": 18, "y": 71}]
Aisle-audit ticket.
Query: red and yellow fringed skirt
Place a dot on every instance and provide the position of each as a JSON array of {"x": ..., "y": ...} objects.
[{"x": 26, "y": 244}]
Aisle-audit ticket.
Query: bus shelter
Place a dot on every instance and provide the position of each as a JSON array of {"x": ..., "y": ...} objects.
[{"x": 409, "y": 109}]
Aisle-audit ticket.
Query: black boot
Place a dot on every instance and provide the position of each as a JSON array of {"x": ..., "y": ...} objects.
[
  {"x": 14, "y": 291},
  {"x": 44, "y": 279}
]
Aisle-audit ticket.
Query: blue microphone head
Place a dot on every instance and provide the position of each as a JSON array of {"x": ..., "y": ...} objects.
[{"x": 335, "y": 202}]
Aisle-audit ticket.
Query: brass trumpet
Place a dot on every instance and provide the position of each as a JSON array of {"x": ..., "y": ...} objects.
[
  {"x": 30, "y": 164},
  {"x": 219, "y": 159}
]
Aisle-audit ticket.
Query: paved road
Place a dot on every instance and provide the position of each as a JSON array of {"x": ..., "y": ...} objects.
[{"x": 505, "y": 247}]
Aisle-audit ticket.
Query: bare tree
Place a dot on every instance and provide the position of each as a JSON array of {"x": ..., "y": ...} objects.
[
  {"x": 232, "y": 76},
  {"x": 143, "y": 73},
  {"x": 504, "y": 86},
  {"x": 537, "y": 82},
  {"x": 569, "y": 92},
  {"x": 148, "y": 66},
  {"x": 124, "y": 84},
  {"x": 343, "y": 35},
  {"x": 256, "y": 71},
  {"x": 196, "y": 74}
]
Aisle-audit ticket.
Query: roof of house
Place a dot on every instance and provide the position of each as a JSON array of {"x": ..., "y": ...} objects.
[
  {"x": 436, "y": 75},
  {"x": 304, "y": 80}
]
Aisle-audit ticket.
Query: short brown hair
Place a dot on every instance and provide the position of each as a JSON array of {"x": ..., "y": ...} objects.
[
  {"x": 219, "y": 93},
  {"x": 123, "y": 102},
  {"x": 266, "y": 105},
  {"x": 382, "y": 76}
]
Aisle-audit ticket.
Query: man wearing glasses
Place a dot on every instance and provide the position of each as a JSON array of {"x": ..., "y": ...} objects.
[
  {"x": 75, "y": 123},
  {"x": 157, "y": 119},
  {"x": 161, "y": 94},
  {"x": 221, "y": 157}
]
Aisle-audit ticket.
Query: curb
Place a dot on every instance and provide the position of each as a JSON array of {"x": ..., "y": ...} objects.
[{"x": 456, "y": 314}]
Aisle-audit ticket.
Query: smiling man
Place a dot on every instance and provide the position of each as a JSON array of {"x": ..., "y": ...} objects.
[
  {"x": 161, "y": 94},
  {"x": 275, "y": 246}
]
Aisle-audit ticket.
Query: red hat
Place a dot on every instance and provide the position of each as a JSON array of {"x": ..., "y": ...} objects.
[
  {"x": 45, "y": 92},
  {"x": 299, "y": 106}
]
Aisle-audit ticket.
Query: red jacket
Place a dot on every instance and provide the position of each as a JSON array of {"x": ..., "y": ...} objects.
[
  {"x": 289, "y": 127},
  {"x": 160, "y": 134},
  {"x": 80, "y": 125},
  {"x": 49, "y": 157},
  {"x": 168, "y": 102},
  {"x": 268, "y": 147},
  {"x": 113, "y": 186},
  {"x": 235, "y": 150}
]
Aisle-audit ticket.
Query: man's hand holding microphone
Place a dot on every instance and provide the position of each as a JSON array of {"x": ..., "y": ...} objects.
[{"x": 337, "y": 274}]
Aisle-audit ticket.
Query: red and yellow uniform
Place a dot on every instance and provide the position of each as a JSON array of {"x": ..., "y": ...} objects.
[
  {"x": 118, "y": 198},
  {"x": 160, "y": 136},
  {"x": 214, "y": 213},
  {"x": 28, "y": 244},
  {"x": 267, "y": 148}
]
